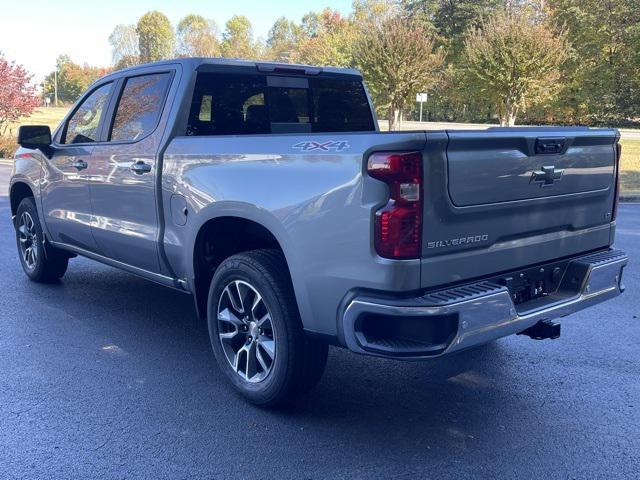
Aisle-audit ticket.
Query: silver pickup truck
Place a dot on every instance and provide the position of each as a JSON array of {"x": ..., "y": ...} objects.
[{"x": 267, "y": 193}]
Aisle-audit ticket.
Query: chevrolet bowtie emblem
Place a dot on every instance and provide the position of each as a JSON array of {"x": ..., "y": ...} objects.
[{"x": 547, "y": 176}]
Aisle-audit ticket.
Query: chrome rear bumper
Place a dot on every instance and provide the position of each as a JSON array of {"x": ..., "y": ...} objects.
[{"x": 480, "y": 312}]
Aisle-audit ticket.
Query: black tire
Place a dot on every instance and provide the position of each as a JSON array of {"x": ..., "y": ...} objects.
[
  {"x": 40, "y": 266},
  {"x": 298, "y": 362}
]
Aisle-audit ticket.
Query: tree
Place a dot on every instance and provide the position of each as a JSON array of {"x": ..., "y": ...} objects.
[
  {"x": 72, "y": 79},
  {"x": 397, "y": 59},
  {"x": 283, "y": 39},
  {"x": 327, "y": 40},
  {"x": 604, "y": 73},
  {"x": 197, "y": 37},
  {"x": 17, "y": 93},
  {"x": 124, "y": 46},
  {"x": 452, "y": 19},
  {"x": 514, "y": 60},
  {"x": 237, "y": 39},
  {"x": 156, "y": 38},
  {"x": 370, "y": 12}
]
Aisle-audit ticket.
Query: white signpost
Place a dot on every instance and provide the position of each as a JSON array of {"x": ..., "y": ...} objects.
[{"x": 421, "y": 98}]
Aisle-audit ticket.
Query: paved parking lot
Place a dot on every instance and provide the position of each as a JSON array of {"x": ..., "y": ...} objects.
[{"x": 105, "y": 375}]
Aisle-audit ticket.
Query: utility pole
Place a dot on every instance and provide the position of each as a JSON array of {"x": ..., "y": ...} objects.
[{"x": 55, "y": 86}]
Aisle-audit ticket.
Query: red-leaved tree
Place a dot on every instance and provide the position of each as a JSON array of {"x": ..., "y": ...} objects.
[{"x": 17, "y": 94}]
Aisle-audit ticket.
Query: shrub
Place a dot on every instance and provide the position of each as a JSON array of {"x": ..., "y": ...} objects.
[{"x": 8, "y": 146}]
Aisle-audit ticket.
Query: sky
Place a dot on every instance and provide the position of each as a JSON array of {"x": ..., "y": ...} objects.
[{"x": 35, "y": 32}]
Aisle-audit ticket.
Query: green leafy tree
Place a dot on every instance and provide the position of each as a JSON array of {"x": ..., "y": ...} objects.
[
  {"x": 124, "y": 46},
  {"x": 237, "y": 39},
  {"x": 603, "y": 74},
  {"x": 449, "y": 21},
  {"x": 398, "y": 60},
  {"x": 283, "y": 39},
  {"x": 370, "y": 12},
  {"x": 197, "y": 37},
  {"x": 453, "y": 18},
  {"x": 156, "y": 38},
  {"x": 514, "y": 60}
]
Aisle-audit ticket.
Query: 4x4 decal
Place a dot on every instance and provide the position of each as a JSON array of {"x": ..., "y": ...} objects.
[{"x": 329, "y": 145}]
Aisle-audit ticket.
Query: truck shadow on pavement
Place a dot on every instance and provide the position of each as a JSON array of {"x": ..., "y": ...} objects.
[{"x": 143, "y": 332}]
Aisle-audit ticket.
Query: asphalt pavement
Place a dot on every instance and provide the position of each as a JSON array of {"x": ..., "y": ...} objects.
[{"x": 105, "y": 375}]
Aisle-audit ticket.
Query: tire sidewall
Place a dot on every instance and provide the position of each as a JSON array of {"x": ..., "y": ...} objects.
[{"x": 264, "y": 391}]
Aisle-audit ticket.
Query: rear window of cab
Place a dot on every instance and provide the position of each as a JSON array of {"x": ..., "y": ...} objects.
[{"x": 246, "y": 104}]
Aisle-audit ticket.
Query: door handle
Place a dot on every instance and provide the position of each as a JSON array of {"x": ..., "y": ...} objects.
[
  {"x": 80, "y": 164},
  {"x": 140, "y": 167}
]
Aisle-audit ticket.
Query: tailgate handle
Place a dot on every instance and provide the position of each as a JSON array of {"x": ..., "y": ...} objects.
[{"x": 549, "y": 145}]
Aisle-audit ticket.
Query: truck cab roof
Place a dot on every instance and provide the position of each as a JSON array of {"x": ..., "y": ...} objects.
[{"x": 215, "y": 63}]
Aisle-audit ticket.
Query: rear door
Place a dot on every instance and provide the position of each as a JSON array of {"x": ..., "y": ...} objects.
[
  {"x": 514, "y": 197},
  {"x": 65, "y": 191},
  {"x": 122, "y": 175}
]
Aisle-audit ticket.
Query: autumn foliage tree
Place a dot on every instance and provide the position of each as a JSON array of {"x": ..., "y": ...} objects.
[
  {"x": 398, "y": 59},
  {"x": 72, "y": 79},
  {"x": 514, "y": 60},
  {"x": 328, "y": 40},
  {"x": 17, "y": 94}
]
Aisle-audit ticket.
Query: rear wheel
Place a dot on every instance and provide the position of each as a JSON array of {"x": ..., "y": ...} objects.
[
  {"x": 256, "y": 332},
  {"x": 38, "y": 265}
]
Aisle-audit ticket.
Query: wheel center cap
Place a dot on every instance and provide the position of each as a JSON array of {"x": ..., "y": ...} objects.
[{"x": 253, "y": 329}]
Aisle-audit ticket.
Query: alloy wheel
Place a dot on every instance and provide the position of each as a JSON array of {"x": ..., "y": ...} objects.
[
  {"x": 246, "y": 331},
  {"x": 28, "y": 240}
]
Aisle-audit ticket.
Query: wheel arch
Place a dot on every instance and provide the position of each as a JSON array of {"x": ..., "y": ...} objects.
[
  {"x": 18, "y": 191},
  {"x": 218, "y": 238}
]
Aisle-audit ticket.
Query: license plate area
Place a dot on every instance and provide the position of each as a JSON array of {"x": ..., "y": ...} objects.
[{"x": 533, "y": 283}]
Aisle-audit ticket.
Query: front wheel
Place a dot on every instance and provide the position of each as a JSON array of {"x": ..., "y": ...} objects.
[
  {"x": 40, "y": 266},
  {"x": 256, "y": 332}
]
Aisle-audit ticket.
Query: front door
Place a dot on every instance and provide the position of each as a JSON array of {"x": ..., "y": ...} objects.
[
  {"x": 65, "y": 193},
  {"x": 122, "y": 176}
]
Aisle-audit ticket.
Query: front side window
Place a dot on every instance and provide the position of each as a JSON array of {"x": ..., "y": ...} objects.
[
  {"x": 139, "y": 107},
  {"x": 83, "y": 125},
  {"x": 244, "y": 104}
]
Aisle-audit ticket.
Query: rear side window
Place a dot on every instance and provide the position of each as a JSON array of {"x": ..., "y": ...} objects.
[
  {"x": 228, "y": 105},
  {"x": 340, "y": 106},
  {"x": 244, "y": 104},
  {"x": 83, "y": 125},
  {"x": 139, "y": 106}
]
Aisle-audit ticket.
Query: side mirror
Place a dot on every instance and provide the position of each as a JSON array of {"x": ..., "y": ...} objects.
[{"x": 35, "y": 137}]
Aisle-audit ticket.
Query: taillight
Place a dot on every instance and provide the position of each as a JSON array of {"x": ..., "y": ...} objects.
[
  {"x": 617, "y": 187},
  {"x": 398, "y": 225}
]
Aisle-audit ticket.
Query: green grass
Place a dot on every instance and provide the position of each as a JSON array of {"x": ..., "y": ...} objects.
[
  {"x": 41, "y": 116},
  {"x": 44, "y": 116},
  {"x": 630, "y": 167}
]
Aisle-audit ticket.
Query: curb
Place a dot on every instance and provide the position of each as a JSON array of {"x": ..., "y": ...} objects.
[{"x": 6, "y": 161}]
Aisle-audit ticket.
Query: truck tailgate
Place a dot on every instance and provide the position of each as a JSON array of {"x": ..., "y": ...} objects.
[{"x": 514, "y": 197}]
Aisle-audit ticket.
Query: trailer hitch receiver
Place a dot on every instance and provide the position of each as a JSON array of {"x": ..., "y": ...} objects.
[{"x": 542, "y": 330}]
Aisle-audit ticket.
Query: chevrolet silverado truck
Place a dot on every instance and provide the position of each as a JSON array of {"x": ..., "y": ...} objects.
[{"x": 268, "y": 193}]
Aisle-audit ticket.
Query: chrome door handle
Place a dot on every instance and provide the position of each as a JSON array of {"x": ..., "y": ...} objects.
[
  {"x": 140, "y": 167},
  {"x": 80, "y": 164}
]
